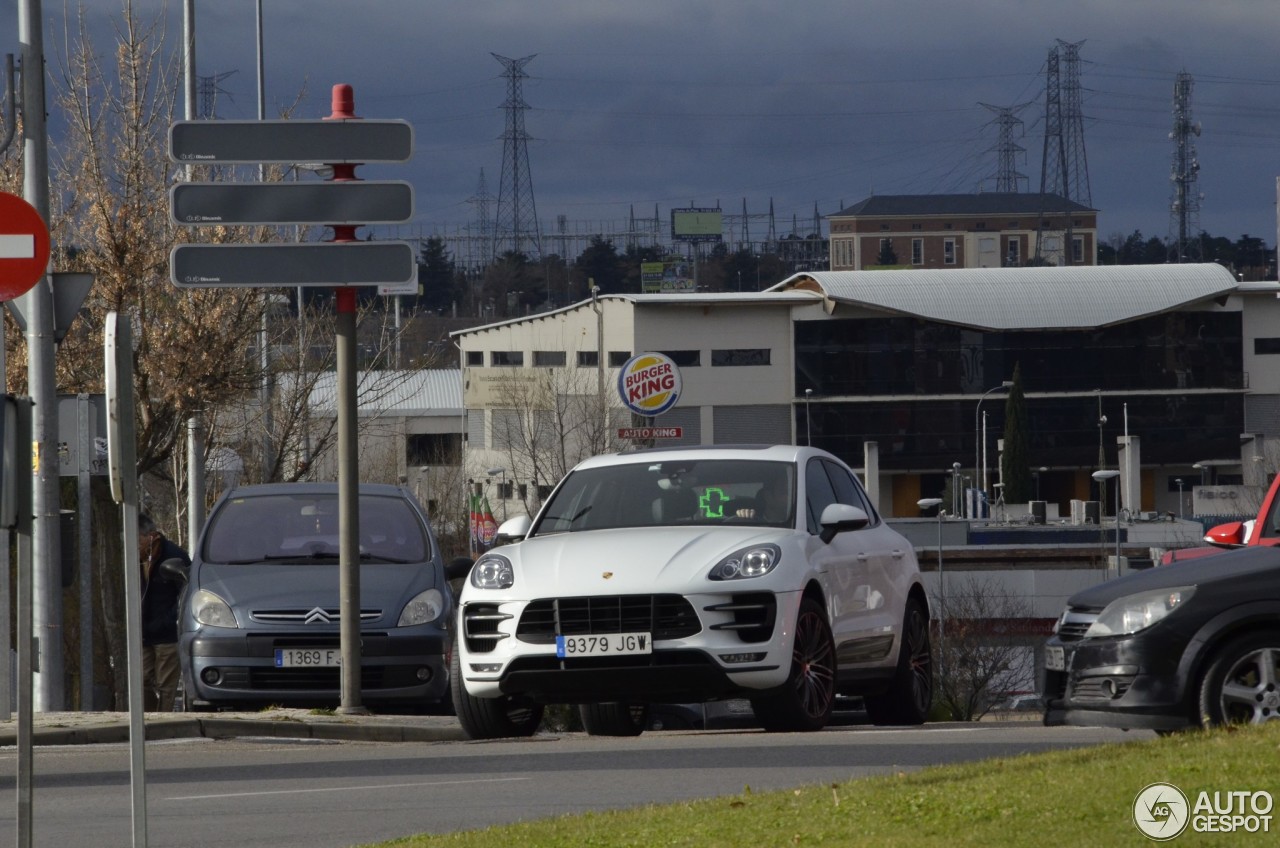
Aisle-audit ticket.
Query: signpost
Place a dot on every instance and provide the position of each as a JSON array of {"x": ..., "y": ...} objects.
[
  {"x": 353, "y": 202},
  {"x": 343, "y": 141},
  {"x": 327, "y": 263},
  {"x": 328, "y": 140},
  {"x": 24, "y": 246}
]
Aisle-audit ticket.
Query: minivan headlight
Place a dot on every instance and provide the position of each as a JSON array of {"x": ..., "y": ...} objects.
[
  {"x": 492, "y": 571},
  {"x": 423, "y": 609},
  {"x": 755, "y": 561},
  {"x": 209, "y": 609},
  {"x": 1132, "y": 613}
]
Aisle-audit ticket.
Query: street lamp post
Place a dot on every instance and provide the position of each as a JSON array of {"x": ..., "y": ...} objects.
[
  {"x": 502, "y": 491},
  {"x": 929, "y": 503},
  {"x": 1102, "y": 476},
  {"x": 1179, "y": 482},
  {"x": 808, "y": 428},
  {"x": 977, "y": 436}
]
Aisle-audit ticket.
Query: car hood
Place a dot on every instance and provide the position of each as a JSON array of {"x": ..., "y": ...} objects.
[
  {"x": 627, "y": 560},
  {"x": 385, "y": 586},
  {"x": 1259, "y": 565}
]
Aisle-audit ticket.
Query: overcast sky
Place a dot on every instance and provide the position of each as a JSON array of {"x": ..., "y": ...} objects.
[{"x": 638, "y": 104}]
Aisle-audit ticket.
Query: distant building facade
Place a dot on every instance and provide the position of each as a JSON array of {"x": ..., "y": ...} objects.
[{"x": 995, "y": 230}]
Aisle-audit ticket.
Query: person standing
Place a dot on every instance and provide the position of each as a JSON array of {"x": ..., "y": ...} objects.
[{"x": 161, "y": 593}]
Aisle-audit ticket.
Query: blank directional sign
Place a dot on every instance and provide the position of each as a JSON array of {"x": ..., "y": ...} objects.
[
  {"x": 331, "y": 142},
  {"x": 359, "y": 263},
  {"x": 355, "y": 202}
]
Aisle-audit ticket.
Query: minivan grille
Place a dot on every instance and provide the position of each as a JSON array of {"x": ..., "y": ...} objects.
[{"x": 315, "y": 615}]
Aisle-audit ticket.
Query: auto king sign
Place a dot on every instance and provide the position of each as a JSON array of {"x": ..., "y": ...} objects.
[{"x": 649, "y": 384}]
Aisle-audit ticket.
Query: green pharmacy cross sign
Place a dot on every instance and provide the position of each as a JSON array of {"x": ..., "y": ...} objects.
[{"x": 712, "y": 501}]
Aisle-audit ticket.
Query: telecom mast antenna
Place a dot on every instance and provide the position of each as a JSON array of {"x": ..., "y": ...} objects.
[{"x": 1184, "y": 208}]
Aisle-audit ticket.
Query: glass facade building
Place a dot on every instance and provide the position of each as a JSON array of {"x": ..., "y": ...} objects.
[{"x": 912, "y": 385}]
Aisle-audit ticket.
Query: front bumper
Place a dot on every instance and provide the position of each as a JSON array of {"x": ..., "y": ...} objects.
[
  {"x": 1128, "y": 682},
  {"x": 728, "y": 651},
  {"x": 404, "y": 666}
]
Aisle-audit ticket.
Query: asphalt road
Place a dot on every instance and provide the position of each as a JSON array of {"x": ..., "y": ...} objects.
[{"x": 324, "y": 794}]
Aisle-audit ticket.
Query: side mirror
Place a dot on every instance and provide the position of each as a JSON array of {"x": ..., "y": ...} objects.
[
  {"x": 1229, "y": 535},
  {"x": 458, "y": 568},
  {"x": 175, "y": 568},
  {"x": 839, "y": 518},
  {"x": 512, "y": 530}
]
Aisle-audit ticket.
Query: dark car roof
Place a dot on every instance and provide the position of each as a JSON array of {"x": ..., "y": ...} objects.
[
  {"x": 1227, "y": 566},
  {"x": 311, "y": 489}
]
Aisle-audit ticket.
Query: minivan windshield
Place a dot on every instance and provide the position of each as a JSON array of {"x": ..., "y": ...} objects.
[
  {"x": 681, "y": 492},
  {"x": 303, "y": 528}
]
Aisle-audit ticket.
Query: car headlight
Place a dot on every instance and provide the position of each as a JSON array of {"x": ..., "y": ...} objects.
[
  {"x": 423, "y": 609},
  {"x": 209, "y": 609},
  {"x": 492, "y": 571},
  {"x": 1132, "y": 613},
  {"x": 755, "y": 561}
]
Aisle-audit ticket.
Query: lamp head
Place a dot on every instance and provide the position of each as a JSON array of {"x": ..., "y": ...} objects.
[{"x": 494, "y": 472}]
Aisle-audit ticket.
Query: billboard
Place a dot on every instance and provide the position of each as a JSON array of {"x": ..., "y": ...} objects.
[
  {"x": 697, "y": 224},
  {"x": 666, "y": 277}
]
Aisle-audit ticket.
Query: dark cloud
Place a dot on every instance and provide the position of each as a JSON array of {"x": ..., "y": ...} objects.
[{"x": 633, "y": 105}]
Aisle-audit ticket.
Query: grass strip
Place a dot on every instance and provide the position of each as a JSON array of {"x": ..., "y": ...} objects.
[{"x": 1076, "y": 797}]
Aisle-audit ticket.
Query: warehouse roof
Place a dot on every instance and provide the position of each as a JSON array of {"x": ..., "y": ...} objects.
[{"x": 1039, "y": 298}]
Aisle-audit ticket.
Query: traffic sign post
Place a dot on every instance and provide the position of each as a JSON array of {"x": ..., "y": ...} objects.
[
  {"x": 360, "y": 263},
  {"x": 332, "y": 141},
  {"x": 24, "y": 246},
  {"x": 353, "y": 203}
]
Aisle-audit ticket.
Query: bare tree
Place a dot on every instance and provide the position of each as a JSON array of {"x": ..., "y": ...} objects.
[
  {"x": 548, "y": 420},
  {"x": 983, "y": 649}
]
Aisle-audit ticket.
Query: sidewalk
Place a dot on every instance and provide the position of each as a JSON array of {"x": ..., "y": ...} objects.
[{"x": 66, "y": 728}]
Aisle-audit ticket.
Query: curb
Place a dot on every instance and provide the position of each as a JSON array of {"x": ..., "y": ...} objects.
[{"x": 229, "y": 728}]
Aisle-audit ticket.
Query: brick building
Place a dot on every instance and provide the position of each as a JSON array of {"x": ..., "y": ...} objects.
[{"x": 996, "y": 230}]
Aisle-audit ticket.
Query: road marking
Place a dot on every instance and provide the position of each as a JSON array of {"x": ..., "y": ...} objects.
[{"x": 344, "y": 788}]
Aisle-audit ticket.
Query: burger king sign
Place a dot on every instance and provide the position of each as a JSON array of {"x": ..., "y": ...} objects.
[{"x": 649, "y": 384}]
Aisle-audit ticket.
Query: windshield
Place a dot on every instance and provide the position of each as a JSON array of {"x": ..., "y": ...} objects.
[
  {"x": 673, "y": 493},
  {"x": 304, "y": 528}
]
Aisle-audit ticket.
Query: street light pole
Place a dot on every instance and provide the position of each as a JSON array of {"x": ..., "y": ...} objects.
[
  {"x": 977, "y": 436},
  {"x": 501, "y": 473},
  {"x": 928, "y": 503},
  {"x": 1102, "y": 476},
  {"x": 808, "y": 428}
]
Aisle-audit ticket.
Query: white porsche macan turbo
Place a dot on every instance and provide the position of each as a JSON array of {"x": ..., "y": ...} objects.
[{"x": 695, "y": 574}]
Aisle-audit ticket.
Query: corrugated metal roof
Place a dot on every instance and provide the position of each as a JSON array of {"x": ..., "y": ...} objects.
[
  {"x": 1026, "y": 298},
  {"x": 426, "y": 392},
  {"x": 987, "y": 203}
]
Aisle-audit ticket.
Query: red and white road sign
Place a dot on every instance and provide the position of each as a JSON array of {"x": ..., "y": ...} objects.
[
  {"x": 24, "y": 246},
  {"x": 650, "y": 432}
]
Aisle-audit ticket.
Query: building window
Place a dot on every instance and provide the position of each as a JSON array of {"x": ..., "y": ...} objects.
[
  {"x": 506, "y": 358},
  {"x": 884, "y": 226},
  {"x": 684, "y": 358},
  {"x": 475, "y": 358},
  {"x": 1015, "y": 251},
  {"x": 946, "y": 226},
  {"x": 433, "y": 449},
  {"x": 588, "y": 358},
  {"x": 1077, "y": 249},
  {"x": 917, "y": 226},
  {"x": 949, "y": 251},
  {"x": 618, "y": 358},
  {"x": 917, "y": 251},
  {"x": 548, "y": 358},
  {"x": 981, "y": 225},
  {"x": 1266, "y": 347},
  {"x": 740, "y": 356}
]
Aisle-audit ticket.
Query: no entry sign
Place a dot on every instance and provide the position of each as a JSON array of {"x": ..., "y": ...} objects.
[{"x": 24, "y": 246}]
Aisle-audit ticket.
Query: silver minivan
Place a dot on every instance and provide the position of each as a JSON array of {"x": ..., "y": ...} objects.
[{"x": 259, "y": 622}]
